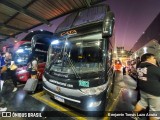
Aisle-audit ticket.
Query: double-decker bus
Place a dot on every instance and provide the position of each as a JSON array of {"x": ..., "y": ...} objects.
[
  {"x": 79, "y": 70},
  {"x": 24, "y": 53}
]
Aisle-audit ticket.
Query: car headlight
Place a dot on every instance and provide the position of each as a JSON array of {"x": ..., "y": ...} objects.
[{"x": 93, "y": 90}]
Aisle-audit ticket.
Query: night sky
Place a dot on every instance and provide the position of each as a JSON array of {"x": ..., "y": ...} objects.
[{"x": 132, "y": 17}]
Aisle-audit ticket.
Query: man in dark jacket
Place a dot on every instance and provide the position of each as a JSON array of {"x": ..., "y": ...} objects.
[{"x": 149, "y": 84}]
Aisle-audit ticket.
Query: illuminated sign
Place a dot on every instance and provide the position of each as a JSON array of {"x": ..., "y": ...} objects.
[
  {"x": 70, "y": 32},
  {"x": 83, "y": 83}
]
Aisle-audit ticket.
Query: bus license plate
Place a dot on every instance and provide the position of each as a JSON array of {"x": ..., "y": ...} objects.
[{"x": 59, "y": 99}]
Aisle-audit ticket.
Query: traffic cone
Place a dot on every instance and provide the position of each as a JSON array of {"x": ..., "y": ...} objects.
[{"x": 1, "y": 84}]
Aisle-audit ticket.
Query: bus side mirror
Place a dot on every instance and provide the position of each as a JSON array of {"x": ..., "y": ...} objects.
[
  {"x": 33, "y": 42},
  {"x": 108, "y": 25}
]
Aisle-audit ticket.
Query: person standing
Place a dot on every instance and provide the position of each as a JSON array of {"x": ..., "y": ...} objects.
[
  {"x": 12, "y": 73},
  {"x": 149, "y": 84},
  {"x": 34, "y": 67},
  {"x": 138, "y": 61},
  {"x": 2, "y": 63}
]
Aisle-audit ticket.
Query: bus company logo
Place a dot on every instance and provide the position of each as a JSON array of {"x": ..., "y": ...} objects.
[
  {"x": 70, "y": 32},
  {"x": 58, "y": 89},
  {"x": 6, "y": 114}
]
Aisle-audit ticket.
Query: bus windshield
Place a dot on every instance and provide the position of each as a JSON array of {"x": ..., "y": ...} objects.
[
  {"x": 75, "y": 56},
  {"x": 22, "y": 54}
]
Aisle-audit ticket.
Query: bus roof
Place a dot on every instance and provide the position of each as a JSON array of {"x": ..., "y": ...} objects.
[{"x": 83, "y": 17}]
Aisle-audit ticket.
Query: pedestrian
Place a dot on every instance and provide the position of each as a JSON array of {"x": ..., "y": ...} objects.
[
  {"x": 124, "y": 70},
  {"x": 149, "y": 84},
  {"x": 2, "y": 65},
  {"x": 34, "y": 67},
  {"x": 2, "y": 103},
  {"x": 138, "y": 61},
  {"x": 118, "y": 65},
  {"x": 12, "y": 73}
]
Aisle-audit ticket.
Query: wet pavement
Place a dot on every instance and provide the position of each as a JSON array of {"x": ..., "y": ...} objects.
[{"x": 127, "y": 98}]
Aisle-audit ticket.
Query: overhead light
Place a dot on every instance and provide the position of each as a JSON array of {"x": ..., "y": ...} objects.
[
  {"x": 41, "y": 29},
  {"x": 122, "y": 51},
  {"x": 54, "y": 42},
  {"x": 145, "y": 49}
]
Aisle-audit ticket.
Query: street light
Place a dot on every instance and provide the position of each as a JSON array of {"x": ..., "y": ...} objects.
[{"x": 122, "y": 51}]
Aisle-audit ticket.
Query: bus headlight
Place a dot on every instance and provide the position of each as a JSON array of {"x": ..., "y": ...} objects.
[
  {"x": 93, "y": 90},
  {"x": 44, "y": 79}
]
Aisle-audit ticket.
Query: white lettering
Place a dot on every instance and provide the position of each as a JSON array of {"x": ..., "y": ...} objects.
[
  {"x": 141, "y": 73},
  {"x": 61, "y": 75},
  {"x": 69, "y": 85},
  {"x": 130, "y": 114},
  {"x": 151, "y": 114},
  {"x": 38, "y": 50},
  {"x": 61, "y": 83},
  {"x": 116, "y": 114},
  {"x": 34, "y": 115},
  {"x": 56, "y": 82}
]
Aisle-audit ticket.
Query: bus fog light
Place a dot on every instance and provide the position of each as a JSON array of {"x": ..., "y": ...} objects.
[{"x": 95, "y": 104}]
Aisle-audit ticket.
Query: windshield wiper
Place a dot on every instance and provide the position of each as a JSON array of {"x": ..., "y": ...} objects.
[
  {"x": 72, "y": 66},
  {"x": 69, "y": 61}
]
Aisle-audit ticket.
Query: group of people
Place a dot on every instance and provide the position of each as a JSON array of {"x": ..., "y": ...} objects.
[
  {"x": 148, "y": 77},
  {"x": 5, "y": 64},
  {"x": 6, "y": 60}
]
